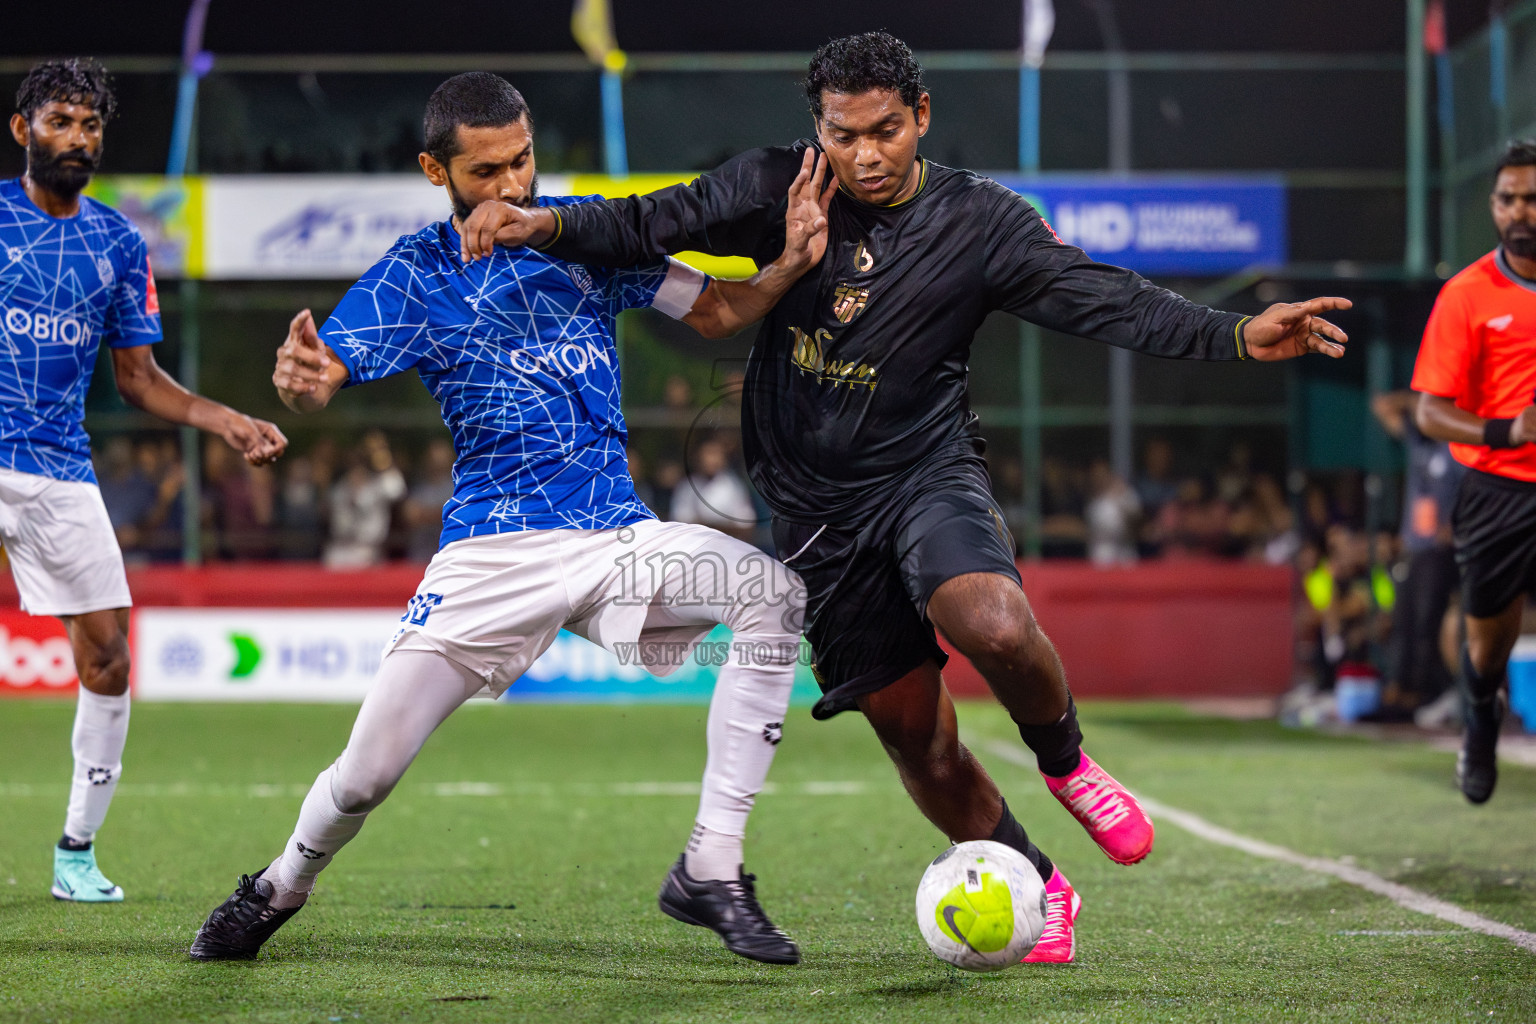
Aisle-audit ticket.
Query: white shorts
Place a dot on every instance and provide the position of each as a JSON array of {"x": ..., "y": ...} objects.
[
  {"x": 63, "y": 551},
  {"x": 495, "y": 603}
]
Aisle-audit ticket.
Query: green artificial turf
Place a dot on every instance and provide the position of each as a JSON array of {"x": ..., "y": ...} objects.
[{"x": 513, "y": 875}]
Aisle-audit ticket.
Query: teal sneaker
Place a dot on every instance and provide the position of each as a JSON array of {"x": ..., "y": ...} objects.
[{"x": 76, "y": 877}]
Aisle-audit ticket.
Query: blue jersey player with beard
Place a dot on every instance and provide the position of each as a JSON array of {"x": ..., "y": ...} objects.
[
  {"x": 75, "y": 275},
  {"x": 544, "y": 530}
]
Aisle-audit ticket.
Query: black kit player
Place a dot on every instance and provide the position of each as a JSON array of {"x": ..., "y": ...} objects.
[
  {"x": 1476, "y": 374},
  {"x": 858, "y": 432}
]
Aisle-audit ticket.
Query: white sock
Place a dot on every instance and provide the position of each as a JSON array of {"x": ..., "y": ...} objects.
[
  {"x": 321, "y": 831},
  {"x": 712, "y": 854},
  {"x": 101, "y": 730}
]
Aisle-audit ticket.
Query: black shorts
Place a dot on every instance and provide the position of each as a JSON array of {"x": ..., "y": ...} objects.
[
  {"x": 868, "y": 583},
  {"x": 1495, "y": 526}
]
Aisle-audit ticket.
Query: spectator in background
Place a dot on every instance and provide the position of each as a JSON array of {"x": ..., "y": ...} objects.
[
  {"x": 1156, "y": 486},
  {"x": 237, "y": 505},
  {"x": 126, "y": 491},
  {"x": 1063, "y": 533},
  {"x": 713, "y": 494},
  {"x": 361, "y": 503},
  {"x": 141, "y": 486},
  {"x": 299, "y": 518},
  {"x": 1008, "y": 492},
  {"x": 423, "y": 509},
  {"x": 1112, "y": 515},
  {"x": 1416, "y": 675},
  {"x": 1341, "y": 591},
  {"x": 645, "y": 490}
]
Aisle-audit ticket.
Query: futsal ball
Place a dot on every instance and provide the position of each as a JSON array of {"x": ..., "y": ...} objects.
[{"x": 981, "y": 906}]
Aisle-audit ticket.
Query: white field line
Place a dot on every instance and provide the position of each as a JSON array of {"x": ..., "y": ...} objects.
[
  {"x": 1409, "y": 899},
  {"x": 441, "y": 789}
]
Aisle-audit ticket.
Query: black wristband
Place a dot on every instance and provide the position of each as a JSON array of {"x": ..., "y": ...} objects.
[{"x": 1496, "y": 433}]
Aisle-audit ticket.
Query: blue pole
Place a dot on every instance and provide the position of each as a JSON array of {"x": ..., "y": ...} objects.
[
  {"x": 1498, "y": 74},
  {"x": 1029, "y": 119},
  {"x": 181, "y": 129},
  {"x": 195, "y": 63},
  {"x": 615, "y": 151}
]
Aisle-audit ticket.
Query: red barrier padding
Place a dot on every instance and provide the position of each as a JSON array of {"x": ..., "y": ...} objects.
[{"x": 1160, "y": 629}]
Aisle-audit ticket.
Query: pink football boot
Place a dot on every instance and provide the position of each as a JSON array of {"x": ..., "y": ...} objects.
[
  {"x": 1058, "y": 944},
  {"x": 1110, "y": 814}
]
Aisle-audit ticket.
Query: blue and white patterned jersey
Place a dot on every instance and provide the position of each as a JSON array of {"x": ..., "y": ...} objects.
[
  {"x": 66, "y": 286},
  {"x": 518, "y": 350}
]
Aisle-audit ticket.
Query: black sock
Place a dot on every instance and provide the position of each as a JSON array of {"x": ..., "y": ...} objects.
[
  {"x": 66, "y": 843},
  {"x": 1480, "y": 690},
  {"x": 1058, "y": 746},
  {"x": 1010, "y": 833}
]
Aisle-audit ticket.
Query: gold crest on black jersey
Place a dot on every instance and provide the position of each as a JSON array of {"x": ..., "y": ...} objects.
[{"x": 848, "y": 301}]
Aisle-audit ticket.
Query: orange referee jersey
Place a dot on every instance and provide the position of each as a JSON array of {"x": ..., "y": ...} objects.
[{"x": 1479, "y": 350}]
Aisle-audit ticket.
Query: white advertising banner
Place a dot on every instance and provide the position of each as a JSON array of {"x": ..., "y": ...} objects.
[
  {"x": 316, "y": 225},
  {"x": 311, "y": 654}
]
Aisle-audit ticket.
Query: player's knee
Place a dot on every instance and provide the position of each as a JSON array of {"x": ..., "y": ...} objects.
[
  {"x": 357, "y": 792},
  {"x": 770, "y": 608},
  {"x": 103, "y": 667},
  {"x": 1013, "y": 640}
]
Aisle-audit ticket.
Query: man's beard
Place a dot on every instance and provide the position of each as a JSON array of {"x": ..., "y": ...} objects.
[
  {"x": 1520, "y": 240},
  {"x": 65, "y": 173},
  {"x": 462, "y": 210}
]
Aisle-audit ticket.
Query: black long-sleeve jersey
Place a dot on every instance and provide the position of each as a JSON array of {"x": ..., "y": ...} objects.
[{"x": 858, "y": 376}]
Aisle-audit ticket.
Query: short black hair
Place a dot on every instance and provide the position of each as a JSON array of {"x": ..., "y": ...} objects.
[
  {"x": 1519, "y": 153},
  {"x": 855, "y": 64},
  {"x": 475, "y": 99},
  {"x": 73, "y": 80}
]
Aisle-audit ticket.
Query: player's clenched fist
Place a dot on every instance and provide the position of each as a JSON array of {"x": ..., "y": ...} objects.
[
  {"x": 495, "y": 222},
  {"x": 301, "y": 359},
  {"x": 306, "y": 375},
  {"x": 259, "y": 441}
]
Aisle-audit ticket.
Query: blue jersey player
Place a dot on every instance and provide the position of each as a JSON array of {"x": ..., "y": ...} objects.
[
  {"x": 544, "y": 530},
  {"x": 75, "y": 275}
]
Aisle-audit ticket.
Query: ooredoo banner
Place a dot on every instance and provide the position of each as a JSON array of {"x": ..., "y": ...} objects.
[{"x": 35, "y": 659}]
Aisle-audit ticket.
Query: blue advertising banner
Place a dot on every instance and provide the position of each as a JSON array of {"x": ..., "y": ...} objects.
[
  {"x": 1171, "y": 226},
  {"x": 574, "y": 670}
]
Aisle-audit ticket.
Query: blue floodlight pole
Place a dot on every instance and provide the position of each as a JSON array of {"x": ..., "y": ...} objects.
[
  {"x": 615, "y": 148},
  {"x": 1498, "y": 72},
  {"x": 1029, "y": 118},
  {"x": 195, "y": 63}
]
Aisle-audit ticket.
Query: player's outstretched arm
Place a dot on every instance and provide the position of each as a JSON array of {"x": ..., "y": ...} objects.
[
  {"x": 143, "y": 384},
  {"x": 726, "y": 307},
  {"x": 308, "y": 372},
  {"x": 1290, "y": 329},
  {"x": 1443, "y": 420}
]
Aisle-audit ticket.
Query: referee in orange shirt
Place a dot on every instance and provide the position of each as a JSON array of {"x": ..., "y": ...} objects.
[{"x": 1476, "y": 374}]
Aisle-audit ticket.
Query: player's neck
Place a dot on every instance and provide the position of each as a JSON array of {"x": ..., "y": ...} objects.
[
  {"x": 1521, "y": 265},
  {"x": 50, "y": 202}
]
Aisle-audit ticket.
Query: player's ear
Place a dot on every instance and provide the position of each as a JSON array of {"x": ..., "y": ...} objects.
[
  {"x": 20, "y": 130},
  {"x": 921, "y": 114},
  {"x": 436, "y": 173}
]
